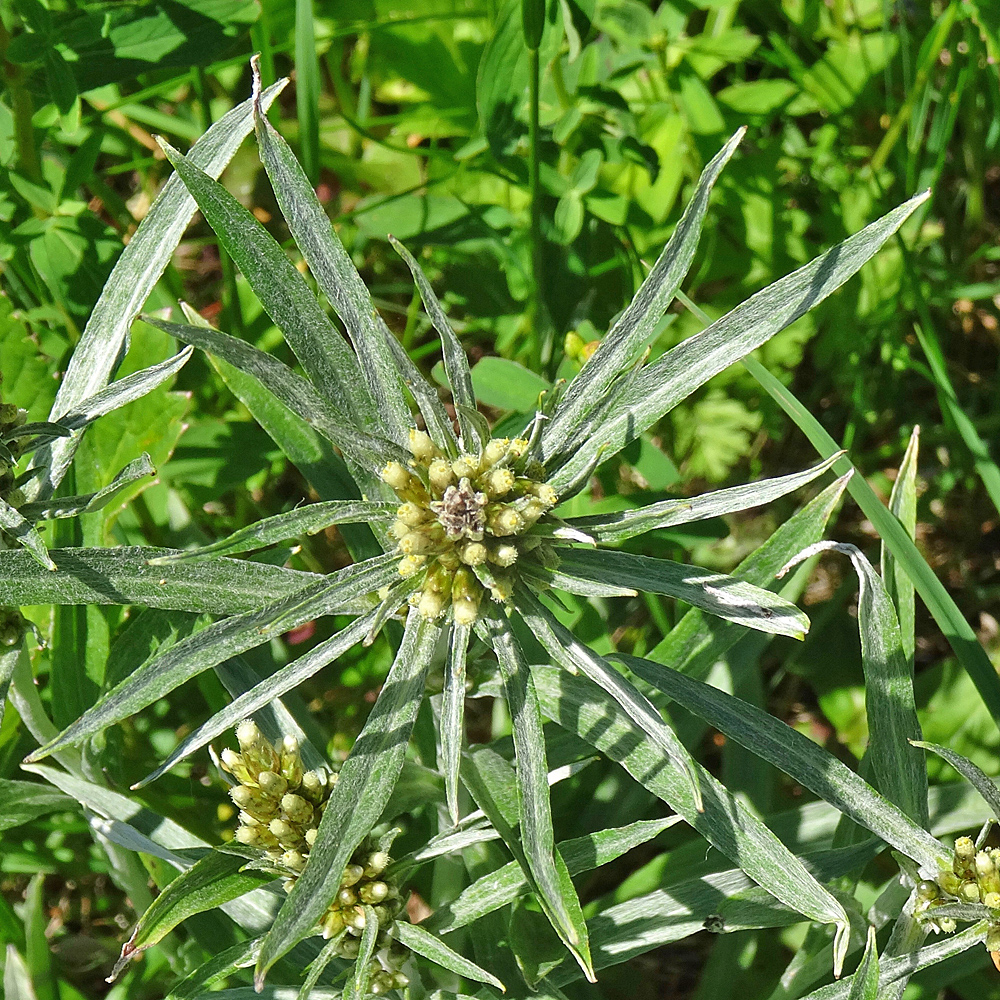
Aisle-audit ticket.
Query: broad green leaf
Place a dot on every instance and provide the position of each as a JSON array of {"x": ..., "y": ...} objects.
[
  {"x": 973, "y": 774},
  {"x": 661, "y": 385},
  {"x": 567, "y": 651},
  {"x": 23, "y": 801},
  {"x": 903, "y": 505},
  {"x": 122, "y": 576},
  {"x": 424, "y": 943},
  {"x": 339, "y": 280},
  {"x": 283, "y": 292},
  {"x": 696, "y": 642},
  {"x": 505, "y": 884},
  {"x": 218, "y": 642},
  {"x": 302, "y": 521},
  {"x": 719, "y": 594},
  {"x": 363, "y": 788},
  {"x": 549, "y": 875},
  {"x": 453, "y": 715},
  {"x": 622, "y": 525},
  {"x": 507, "y": 385},
  {"x": 209, "y": 883},
  {"x": 99, "y": 350},
  {"x": 939, "y": 602},
  {"x": 636, "y": 325},
  {"x": 798, "y": 756},
  {"x": 578, "y": 705},
  {"x": 900, "y": 773}
]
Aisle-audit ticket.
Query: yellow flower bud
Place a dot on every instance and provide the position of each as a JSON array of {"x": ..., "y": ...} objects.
[
  {"x": 495, "y": 451},
  {"x": 412, "y": 514},
  {"x": 499, "y": 482},
  {"x": 352, "y": 875},
  {"x": 411, "y": 565},
  {"x": 473, "y": 554},
  {"x": 504, "y": 520},
  {"x": 504, "y": 554},
  {"x": 396, "y": 476},
  {"x": 422, "y": 447},
  {"x": 440, "y": 475}
]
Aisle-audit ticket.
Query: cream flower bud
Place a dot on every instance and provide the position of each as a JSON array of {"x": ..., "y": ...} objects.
[
  {"x": 377, "y": 863},
  {"x": 373, "y": 892},
  {"x": 473, "y": 554},
  {"x": 504, "y": 554},
  {"x": 969, "y": 892},
  {"x": 504, "y": 520},
  {"x": 310, "y": 836},
  {"x": 411, "y": 565},
  {"x": 246, "y": 835},
  {"x": 421, "y": 446},
  {"x": 416, "y": 543},
  {"x": 352, "y": 875},
  {"x": 430, "y": 603},
  {"x": 495, "y": 450},
  {"x": 347, "y": 897},
  {"x": 411, "y": 514},
  {"x": 465, "y": 466},
  {"x": 296, "y": 808},
  {"x": 271, "y": 784},
  {"x": 499, "y": 482},
  {"x": 396, "y": 475},
  {"x": 440, "y": 475},
  {"x": 293, "y": 860},
  {"x": 247, "y": 734}
]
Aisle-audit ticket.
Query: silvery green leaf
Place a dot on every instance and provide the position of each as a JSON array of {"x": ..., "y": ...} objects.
[
  {"x": 239, "y": 956},
  {"x": 716, "y": 593},
  {"x": 8, "y": 661},
  {"x": 621, "y": 525},
  {"x": 363, "y": 787},
  {"x": 14, "y": 524},
  {"x": 283, "y": 292},
  {"x": 102, "y": 344},
  {"x": 357, "y": 983},
  {"x": 421, "y": 941},
  {"x": 971, "y": 772},
  {"x": 70, "y": 506},
  {"x": 637, "y": 322},
  {"x": 865, "y": 980},
  {"x": 664, "y": 383},
  {"x": 453, "y": 715},
  {"x": 798, "y": 756},
  {"x": 900, "y": 772}
]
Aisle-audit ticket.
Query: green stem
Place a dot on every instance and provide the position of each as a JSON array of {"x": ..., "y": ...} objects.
[{"x": 21, "y": 107}]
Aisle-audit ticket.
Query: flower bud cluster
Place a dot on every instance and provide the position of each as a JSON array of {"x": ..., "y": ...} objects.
[
  {"x": 974, "y": 878},
  {"x": 281, "y": 805},
  {"x": 465, "y": 522}
]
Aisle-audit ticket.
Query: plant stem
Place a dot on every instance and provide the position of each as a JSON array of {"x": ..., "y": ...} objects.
[{"x": 542, "y": 341}]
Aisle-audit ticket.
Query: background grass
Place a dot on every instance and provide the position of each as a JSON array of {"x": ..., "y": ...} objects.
[{"x": 411, "y": 118}]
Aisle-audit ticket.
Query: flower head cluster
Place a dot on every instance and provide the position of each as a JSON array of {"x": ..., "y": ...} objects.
[
  {"x": 466, "y": 522},
  {"x": 281, "y": 805}
]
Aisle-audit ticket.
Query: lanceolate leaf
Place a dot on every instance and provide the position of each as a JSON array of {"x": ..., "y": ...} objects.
[
  {"x": 903, "y": 504},
  {"x": 14, "y": 524},
  {"x": 212, "y": 645},
  {"x": 549, "y": 876},
  {"x": 663, "y": 384},
  {"x": 214, "y": 880},
  {"x": 971, "y": 772},
  {"x": 797, "y": 756},
  {"x": 423, "y": 943},
  {"x": 717, "y": 593},
  {"x": 578, "y": 705},
  {"x": 646, "y": 309},
  {"x": 70, "y": 506},
  {"x": 865, "y": 980},
  {"x": 453, "y": 715},
  {"x": 357, "y": 982},
  {"x": 100, "y": 349},
  {"x": 8, "y": 661},
  {"x": 619, "y": 526},
  {"x": 284, "y": 294},
  {"x": 365, "y": 783}
]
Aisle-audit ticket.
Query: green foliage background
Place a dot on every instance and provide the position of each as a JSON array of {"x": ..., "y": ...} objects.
[{"x": 412, "y": 119}]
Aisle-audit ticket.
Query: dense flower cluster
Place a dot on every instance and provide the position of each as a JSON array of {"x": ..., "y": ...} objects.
[
  {"x": 281, "y": 805},
  {"x": 465, "y": 522}
]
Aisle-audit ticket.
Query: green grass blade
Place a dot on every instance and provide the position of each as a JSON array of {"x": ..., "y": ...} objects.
[
  {"x": 453, "y": 715},
  {"x": 939, "y": 602},
  {"x": 637, "y": 323},
  {"x": 555, "y": 891},
  {"x": 307, "y": 87},
  {"x": 366, "y": 781},
  {"x": 796, "y": 755},
  {"x": 622, "y": 525},
  {"x": 567, "y": 651},
  {"x": 889, "y": 700},
  {"x": 99, "y": 350},
  {"x": 302, "y": 521},
  {"x": 431, "y": 947},
  {"x": 903, "y": 506},
  {"x": 717, "y": 593},
  {"x": 971, "y": 772},
  {"x": 236, "y": 634},
  {"x": 577, "y": 704},
  {"x": 122, "y": 576},
  {"x": 283, "y": 292},
  {"x": 667, "y": 381}
]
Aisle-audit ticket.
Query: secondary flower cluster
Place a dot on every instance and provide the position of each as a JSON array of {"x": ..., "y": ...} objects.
[
  {"x": 281, "y": 805},
  {"x": 464, "y": 522}
]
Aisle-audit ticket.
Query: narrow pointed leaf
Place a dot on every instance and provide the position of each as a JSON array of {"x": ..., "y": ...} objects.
[
  {"x": 864, "y": 985},
  {"x": 456, "y": 364},
  {"x": 224, "y": 963},
  {"x": 121, "y": 576},
  {"x": 637, "y": 323},
  {"x": 8, "y": 661},
  {"x": 302, "y": 521},
  {"x": 431, "y": 947},
  {"x": 577, "y": 704},
  {"x": 357, "y": 984},
  {"x": 295, "y": 392},
  {"x": 566, "y": 650},
  {"x": 214, "y": 880},
  {"x": 218, "y": 642},
  {"x": 796, "y": 755},
  {"x": 621, "y": 525},
  {"x": 283, "y": 292},
  {"x": 71, "y": 506},
  {"x": 337, "y": 276},
  {"x": 14, "y": 524},
  {"x": 661, "y": 385},
  {"x": 890, "y": 704},
  {"x": 363, "y": 787},
  {"x": 453, "y": 715},
  {"x": 971, "y": 772},
  {"x": 101, "y": 347},
  {"x": 551, "y": 880},
  {"x": 719, "y": 594},
  {"x": 316, "y": 968}
]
